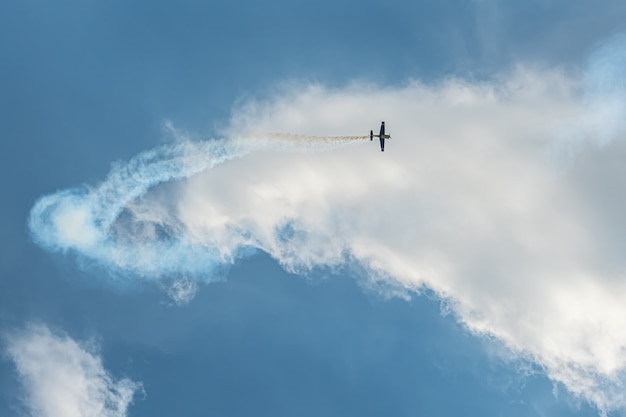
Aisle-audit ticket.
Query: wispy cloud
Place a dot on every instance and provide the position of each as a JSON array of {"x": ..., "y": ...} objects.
[
  {"x": 63, "y": 378},
  {"x": 499, "y": 196},
  {"x": 182, "y": 291}
]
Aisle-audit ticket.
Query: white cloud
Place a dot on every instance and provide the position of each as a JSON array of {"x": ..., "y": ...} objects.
[
  {"x": 62, "y": 378},
  {"x": 502, "y": 197}
]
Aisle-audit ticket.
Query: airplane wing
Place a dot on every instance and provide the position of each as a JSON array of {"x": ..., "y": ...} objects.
[{"x": 382, "y": 128}]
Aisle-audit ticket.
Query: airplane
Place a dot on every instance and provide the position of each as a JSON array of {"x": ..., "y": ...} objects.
[{"x": 381, "y": 136}]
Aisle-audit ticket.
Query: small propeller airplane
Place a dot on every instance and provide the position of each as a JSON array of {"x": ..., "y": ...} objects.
[{"x": 381, "y": 136}]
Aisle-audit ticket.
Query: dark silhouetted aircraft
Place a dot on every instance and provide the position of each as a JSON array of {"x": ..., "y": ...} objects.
[{"x": 381, "y": 136}]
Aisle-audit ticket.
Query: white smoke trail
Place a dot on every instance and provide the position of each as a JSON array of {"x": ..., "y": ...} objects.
[{"x": 87, "y": 220}]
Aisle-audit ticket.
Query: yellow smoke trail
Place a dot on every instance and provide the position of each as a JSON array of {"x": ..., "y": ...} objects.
[{"x": 299, "y": 139}]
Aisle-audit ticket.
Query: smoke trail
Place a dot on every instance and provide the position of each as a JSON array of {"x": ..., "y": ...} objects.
[
  {"x": 100, "y": 222},
  {"x": 81, "y": 219},
  {"x": 309, "y": 139}
]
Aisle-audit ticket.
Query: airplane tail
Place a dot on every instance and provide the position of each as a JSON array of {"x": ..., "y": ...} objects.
[{"x": 371, "y": 135}]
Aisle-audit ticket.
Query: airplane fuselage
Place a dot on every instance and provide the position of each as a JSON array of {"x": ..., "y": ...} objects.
[{"x": 382, "y": 136}]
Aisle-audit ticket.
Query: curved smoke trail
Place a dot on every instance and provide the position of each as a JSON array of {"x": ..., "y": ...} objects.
[{"x": 84, "y": 220}]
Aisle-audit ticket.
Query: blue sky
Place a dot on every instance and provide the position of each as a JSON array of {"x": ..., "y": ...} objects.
[{"x": 163, "y": 254}]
